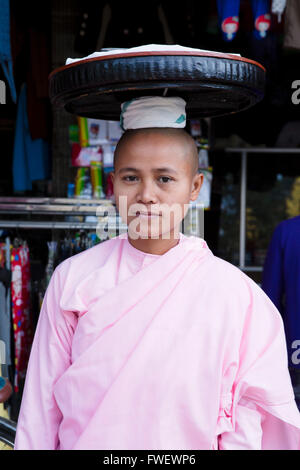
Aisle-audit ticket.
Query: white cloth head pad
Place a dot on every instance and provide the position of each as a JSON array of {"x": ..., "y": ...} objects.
[{"x": 153, "y": 111}]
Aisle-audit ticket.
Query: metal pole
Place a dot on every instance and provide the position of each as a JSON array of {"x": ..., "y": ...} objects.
[
  {"x": 243, "y": 208},
  {"x": 59, "y": 225}
]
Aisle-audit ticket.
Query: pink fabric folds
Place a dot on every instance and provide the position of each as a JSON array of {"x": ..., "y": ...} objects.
[{"x": 135, "y": 351}]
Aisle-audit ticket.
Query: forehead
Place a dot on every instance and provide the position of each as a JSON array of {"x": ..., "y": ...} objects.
[
  {"x": 152, "y": 145},
  {"x": 152, "y": 153}
]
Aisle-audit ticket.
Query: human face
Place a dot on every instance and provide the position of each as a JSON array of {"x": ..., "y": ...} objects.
[{"x": 153, "y": 174}]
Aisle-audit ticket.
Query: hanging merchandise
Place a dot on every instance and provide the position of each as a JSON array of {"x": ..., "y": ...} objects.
[
  {"x": 5, "y": 389},
  {"x": 92, "y": 131},
  {"x": 278, "y": 7},
  {"x": 5, "y": 307},
  {"x": 108, "y": 168},
  {"x": 109, "y": 191},
  {"x": 73, "y": 244},
  {"x": 203, "y": 158},
  {"x": 108, "y": 155},
  {"x": 83, "y": 186},
  {"x": 195, "y": 128},
  {"x": 193, "y": 224},
  {"x": 96, "y": 178},
  {"x": 52, "y": 246},
  {"x": 262, "y": 18},
  {"x": 74, "y": 134},
  {"x": 83, "y": 131},
  {"x": 82, "y": 156},
  {"x": 206, "y": 170},
  {"x": 17, "y": 296},
  {"x": 114, "y": 131},
  {"x": 94, "y": 151},
  {"x": 291, "y": 25},
  {"x": 5, "y": 47},
  {"x": 30, "y": 156},
  {"x": 228, "y": 11},
  {"x": 97, "y": 131},
  {"x": 205, "y": 192},
  {"x": 94, "y": 165},
  {"x": 71, "y": 190},
  {"x": 21, "y": 314}
]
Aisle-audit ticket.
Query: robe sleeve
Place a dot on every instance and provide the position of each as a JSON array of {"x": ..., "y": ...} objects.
[
  {"x": 259, "y": 412},
  {"x": 39, "y": 416},
  {"x": 272, "y": 279}
]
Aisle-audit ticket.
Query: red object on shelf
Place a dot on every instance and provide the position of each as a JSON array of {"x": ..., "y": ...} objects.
[
  {"x": 109, "y": 186},
  {"x": 5, "y": 392}
]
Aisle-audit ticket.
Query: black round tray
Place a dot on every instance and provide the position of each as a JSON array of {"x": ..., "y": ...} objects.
[{"x": 212, "y": 84}]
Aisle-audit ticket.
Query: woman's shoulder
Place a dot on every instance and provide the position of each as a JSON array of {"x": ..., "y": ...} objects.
[{"x": 77, "y": 271}]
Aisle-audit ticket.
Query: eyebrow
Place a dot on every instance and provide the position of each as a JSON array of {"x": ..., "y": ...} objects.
[{"x": 164, "y": 169}]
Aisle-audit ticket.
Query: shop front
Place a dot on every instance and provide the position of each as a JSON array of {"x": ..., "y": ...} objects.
[{"x": 56, "y": 189}]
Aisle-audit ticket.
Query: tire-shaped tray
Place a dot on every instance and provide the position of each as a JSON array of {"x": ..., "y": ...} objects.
[{"x": 212, "y": 84}]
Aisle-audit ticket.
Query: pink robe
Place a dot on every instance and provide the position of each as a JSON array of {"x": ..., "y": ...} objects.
[{"x": 135, "y": 351}]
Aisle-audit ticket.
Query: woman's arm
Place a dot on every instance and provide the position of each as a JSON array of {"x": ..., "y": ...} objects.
[
  {"x": 248, "y": 430},
  {"x": 50, "y": 356}
]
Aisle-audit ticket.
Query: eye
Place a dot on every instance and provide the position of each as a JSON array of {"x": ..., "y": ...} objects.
[
  {"x": 132, "y": 178},
  {"x": 129, "y": 176},
  {"x": 165, "y": 178}
]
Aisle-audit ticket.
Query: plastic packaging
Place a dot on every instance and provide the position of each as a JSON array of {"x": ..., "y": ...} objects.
[
  {"x": 83, "y": 186},
  {"x": 82, "y": 156},
  {"x": 110, "y": 188},
  {"x": 108, "y": 155},
  {"x": 203, "y": 158},
  {"x": 71, "y": 189},
  {"x": 108, "y": 184},
  {"x": 97, "y": 131},
  {"x": 83, "y": 131},
  {"x": 73, "y": 133},
  {"x": 96, "y": 178},
  {"x": 205, "y": 191}
]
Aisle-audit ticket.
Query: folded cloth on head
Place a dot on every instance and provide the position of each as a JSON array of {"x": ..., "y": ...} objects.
[{"x": 153, "y": 111}]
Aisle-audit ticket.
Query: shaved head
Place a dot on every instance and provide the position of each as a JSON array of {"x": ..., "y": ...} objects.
[{"x": 186, "y": 142}]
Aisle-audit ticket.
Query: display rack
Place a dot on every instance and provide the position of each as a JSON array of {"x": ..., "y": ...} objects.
[
  {"x": 72, "y": 212},
  {"x": 7, "y": 432},
  {"x": 244, "y": 151}
]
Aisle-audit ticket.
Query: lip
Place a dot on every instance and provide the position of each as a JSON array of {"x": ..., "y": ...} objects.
[{"x": 149, "y": 214}]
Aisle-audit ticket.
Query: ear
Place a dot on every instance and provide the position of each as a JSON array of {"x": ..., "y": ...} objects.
[
  {"x": 196, "y": 186},
  {"x": 112, "y": 174}
]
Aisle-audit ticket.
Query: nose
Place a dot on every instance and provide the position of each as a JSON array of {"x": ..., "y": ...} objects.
[{"x": 147, "y": 193}]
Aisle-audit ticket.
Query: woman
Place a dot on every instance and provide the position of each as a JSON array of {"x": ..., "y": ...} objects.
[{"x": 147, "y": 340}]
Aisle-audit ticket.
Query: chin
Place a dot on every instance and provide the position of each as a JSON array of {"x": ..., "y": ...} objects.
[{"x": 144, "y": 234}]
